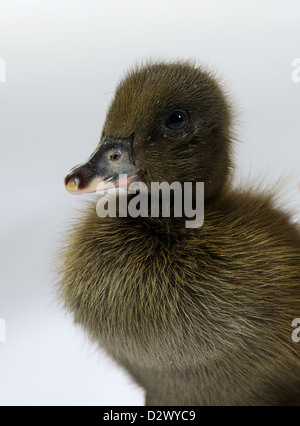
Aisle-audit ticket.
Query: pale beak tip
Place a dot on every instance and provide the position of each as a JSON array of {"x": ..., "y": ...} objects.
[{"x": 72, "y": 185}]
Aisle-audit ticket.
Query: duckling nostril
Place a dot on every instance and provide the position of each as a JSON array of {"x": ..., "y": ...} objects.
[{"x": 114, "y": 156}]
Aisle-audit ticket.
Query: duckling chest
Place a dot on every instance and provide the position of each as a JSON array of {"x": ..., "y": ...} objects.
[{"x": 127, "y": 285}]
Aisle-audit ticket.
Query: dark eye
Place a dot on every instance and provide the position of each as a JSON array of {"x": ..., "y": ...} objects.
[{"x": 176, "y": 120}]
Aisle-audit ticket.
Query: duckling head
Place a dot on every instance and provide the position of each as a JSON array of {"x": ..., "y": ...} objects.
[{"x": 168, "y": 122}]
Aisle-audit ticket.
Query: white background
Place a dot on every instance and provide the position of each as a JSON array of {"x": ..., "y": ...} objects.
[{"x": 63, "y": 61}]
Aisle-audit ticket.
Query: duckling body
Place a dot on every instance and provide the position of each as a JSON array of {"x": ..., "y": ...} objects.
[{"x": 197, "y": 316}]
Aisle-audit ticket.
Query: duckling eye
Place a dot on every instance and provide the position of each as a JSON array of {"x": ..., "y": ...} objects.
[{"x": 176, "y": 120}]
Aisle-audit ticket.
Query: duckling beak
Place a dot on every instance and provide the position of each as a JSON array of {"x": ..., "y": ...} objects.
[{"x": 112, "y": 158}]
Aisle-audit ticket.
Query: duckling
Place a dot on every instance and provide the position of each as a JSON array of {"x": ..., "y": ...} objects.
[{"x": 196, "y": 316}]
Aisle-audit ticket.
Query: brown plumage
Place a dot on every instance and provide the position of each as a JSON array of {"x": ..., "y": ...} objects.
[{"x": 197, "y": 316}]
